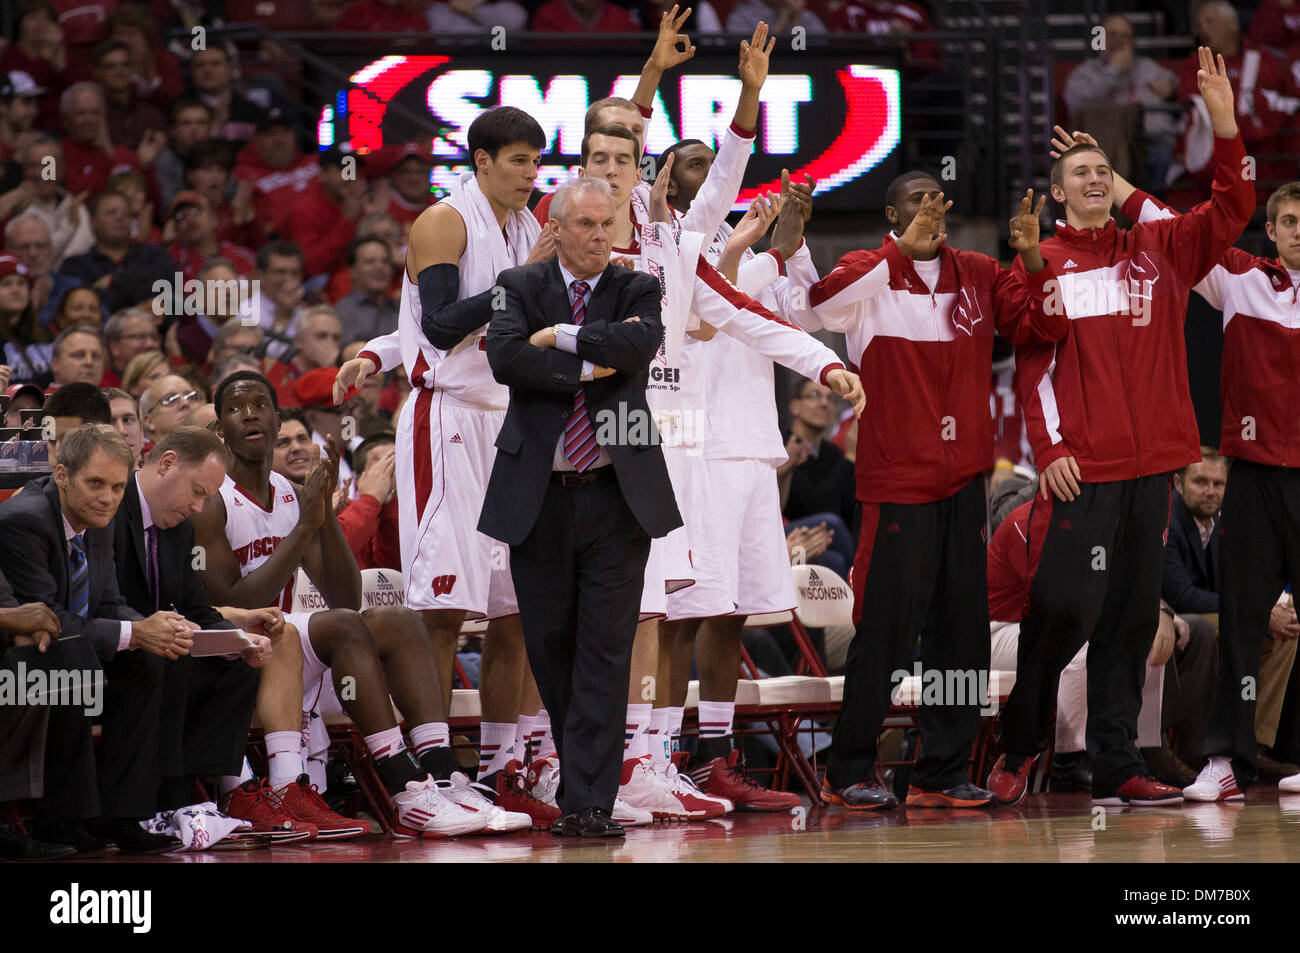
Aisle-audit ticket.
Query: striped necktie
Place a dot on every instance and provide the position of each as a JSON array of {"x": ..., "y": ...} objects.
[
  {"x": 580, "y": 447},
  {"x": 78, "y": 577}
]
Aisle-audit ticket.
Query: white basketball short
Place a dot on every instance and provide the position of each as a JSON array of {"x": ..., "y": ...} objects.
[
  {"x": 751, "y": 535},
  {"x": 695, "y": 499},
  {"x": 315, "y": 673},
  {"x": 445, "y": 451}
]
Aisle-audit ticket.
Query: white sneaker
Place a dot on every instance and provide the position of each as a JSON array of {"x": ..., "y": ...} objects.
[
  {"x": 696, "y": 803},
  {"x": 423, "y": 810},
  {"x": 641, "y": 786},
  {"x": 630, "y": 816},
  {"x": 476, "y": 797},
  {"x": 1216, "y": 782},
  {"x": 1289, "y": 785},
  {"x": 544, "y": 779}
]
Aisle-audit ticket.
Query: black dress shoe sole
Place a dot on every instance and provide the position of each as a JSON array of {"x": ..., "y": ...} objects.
[{"x": 149, "y": 851}]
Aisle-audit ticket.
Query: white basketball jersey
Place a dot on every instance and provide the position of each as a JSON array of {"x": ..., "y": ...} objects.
[{"x": 254, "y": 533}]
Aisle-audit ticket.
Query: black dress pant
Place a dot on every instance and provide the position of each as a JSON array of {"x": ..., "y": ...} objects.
[
  {"x": 578, "y": 578},
  {"x": 921, "y": 571},
  {"x": 1097, "y": 581},
  {"x": 71, "y": 793},
  {"x": 1260, "y": 548},
  {"x": 127, "y": 758}
]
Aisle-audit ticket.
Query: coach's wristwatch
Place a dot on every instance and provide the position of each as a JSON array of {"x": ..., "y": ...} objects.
[
  {"x": 1166, "y": 608},
  {"x": 555, "y": 329}
]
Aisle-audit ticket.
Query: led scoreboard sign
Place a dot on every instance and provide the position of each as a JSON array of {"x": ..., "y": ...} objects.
[{"x": 838, "y": 122}]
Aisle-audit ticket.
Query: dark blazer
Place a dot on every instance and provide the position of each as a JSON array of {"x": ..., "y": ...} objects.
[
  {"x": 542, "y": 384},
  {"x": 179, "y": 583},
  {"x": 1190, "y": 582},
  {"x": 34, "y": 558}
]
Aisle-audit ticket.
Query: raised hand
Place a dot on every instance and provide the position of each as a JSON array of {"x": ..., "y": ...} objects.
[
  {"x": 925, "y": 233},
  {"x": 1062, "y": 140},
  {"x": 1216, "y": 90},
  {"x": 545, "y": 248},
  {"x": 756, "y": 221},
  {"x": 659, "y": 193},
  {"x": 754, "y": 55},
  {"x": 666, "y": 53},
  {"x": 1024, "y": 225},
  {"x": 352, "y": 374}
]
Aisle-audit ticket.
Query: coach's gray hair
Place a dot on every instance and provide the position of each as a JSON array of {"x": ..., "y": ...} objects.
[
  {"x": 567, "y": 192},
  {"x": 77, "y": 447},
  {"x": 71, "y": 93}
]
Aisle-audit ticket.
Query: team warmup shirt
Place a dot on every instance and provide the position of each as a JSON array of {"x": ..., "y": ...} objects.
[{"x": 254, "y": 532}]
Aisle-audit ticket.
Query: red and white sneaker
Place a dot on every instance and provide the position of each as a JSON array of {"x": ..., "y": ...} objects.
[
  {"x": 478, "y": 797},
  {"x": 1216, "y": 782},
  {"x": 1140, "y": 791},
  {"x": 642, "y": 787},
  {"x": 424, "y": 809},
  {"x": 726, "y": 778},
  {"x": 699, "y": 805},
  {"x": 301, "y": 802},
  {"x": 630, "y": 816},
  {"x": 1289, "y": 785},
  {"x": 254, "y": 803},
  {"x": 514, "y": 795}
]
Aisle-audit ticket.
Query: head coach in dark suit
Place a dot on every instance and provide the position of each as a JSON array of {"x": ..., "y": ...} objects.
[
  {"x": 198, "y": 724},
  {"x": 56, "y": 547},
  {"x": 579, "y": 514}
]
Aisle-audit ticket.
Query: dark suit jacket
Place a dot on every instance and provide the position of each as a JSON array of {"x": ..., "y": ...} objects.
[
  {"x": 34, "y": 558},
  {"x": 179, "y": 583},
  {"x": 1190, "y": 582},
  {"x": 543, "y": 382}
]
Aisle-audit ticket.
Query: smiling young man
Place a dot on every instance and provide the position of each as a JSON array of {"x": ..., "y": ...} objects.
[
  {"x": 1257, "y": 541},
  {"x": 1104, "y": 452},
  {"x": 257, "y": 531}
]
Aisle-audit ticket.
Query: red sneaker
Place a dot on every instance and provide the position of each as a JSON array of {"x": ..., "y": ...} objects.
[
  {"x": 728, "y": 779},
  {"x": 301, "y": 802},
  {"x": 1141, "y": 791},
  {"x": 1009, "y": 778},
  {"x": 253, "y": 802},
  {"x": 513, "y": 795}
]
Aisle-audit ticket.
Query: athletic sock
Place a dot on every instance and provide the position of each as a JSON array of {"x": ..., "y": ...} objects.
[
  {"x": 660, "y": 740},
  {"x": 524, "y": 726},
  {"x": 716, "y": 718},
  {"x": 433, "y": 734},
  {"x": 284, "y": 757},
  {"x": 542, "y": 732},
  {"x": 228, "y": 782},
  {"x": 386, "y": 743},
  {"x": 496, "y": 747},
  {"x": 636, "y": 738},
  {"x": 675, "y": 716}
]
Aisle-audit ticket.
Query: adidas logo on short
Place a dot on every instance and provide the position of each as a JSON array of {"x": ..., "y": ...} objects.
[
  {"x": 455, "y": 438},
  {"x": 1070, "y": 263}
]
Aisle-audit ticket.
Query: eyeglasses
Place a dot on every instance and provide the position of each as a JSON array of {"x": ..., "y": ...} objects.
[
  {"x": 190, "y": 397},
  {"x": 818, "y": 396},
  {"x": 184, "y": 212}
]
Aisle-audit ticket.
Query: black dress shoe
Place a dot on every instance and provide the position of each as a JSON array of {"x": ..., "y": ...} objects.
[
  {"x": 73, "y": 835},
  {"x": 131, "y": 838},
  {"x": 14, "y": 846},
  {"x": 588, "y": 822},
  {"x": 1071, "y": 772}
]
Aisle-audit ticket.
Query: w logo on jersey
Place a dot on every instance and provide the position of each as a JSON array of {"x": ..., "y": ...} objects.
[
  {"x": 442, "y": 585},
  {"x": 968, "y": 313}
]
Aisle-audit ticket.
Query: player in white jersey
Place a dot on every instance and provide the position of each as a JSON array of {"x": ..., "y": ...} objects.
[
  {"x": 447, "y": 430},
  {"x": 256, "y": 533}
]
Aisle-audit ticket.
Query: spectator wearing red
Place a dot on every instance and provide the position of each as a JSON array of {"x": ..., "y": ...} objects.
[
  {"x": 209, "y": 169},
  {"x": 408, "y": 183},
  {"x": 370, "y": 520},
  {"x": 135, "y": 188},
  {"x": 39, "y": 52},
  {"x": 278, "y": 171},
  {"x": 126, "y": 334},
  {"x": 87, "y": 148},
  {"x": 378, "y": 225},
  {"x": 156, "y": 73},
  {"x": 212, "y": 81},
  {"x": 1277, "y": 24},
  {"x": 890, "y": 18},
  {"x": 196, "y": 240},
  {"x": 64, "y": 214},
  {"x": 1259, "y": 78},
  {"x": 130, "y": 119},
  {"x": 582, "y": 16},
  {"x": 325, "y": 214},
  {"x": 189, "y": 123},
  {"x": 380, "y": 16},
  {"x": 19, "y": 104}
]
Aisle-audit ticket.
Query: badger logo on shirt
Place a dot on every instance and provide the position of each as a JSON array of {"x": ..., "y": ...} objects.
[{"x": 968, "y": 312}]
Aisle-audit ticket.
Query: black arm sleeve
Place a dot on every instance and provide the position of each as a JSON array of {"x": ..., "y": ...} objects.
[{"x": 444, "y": 320}]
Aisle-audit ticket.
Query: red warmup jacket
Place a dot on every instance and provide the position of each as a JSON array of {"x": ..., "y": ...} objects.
[
  {"x": 1113, "y": 394},
  {"x": 926, "y": 359},
  {"x": 1260, "y": 380},
  {"x": 372, "y": 533},
  {"x": 1012, "y": 562}
]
